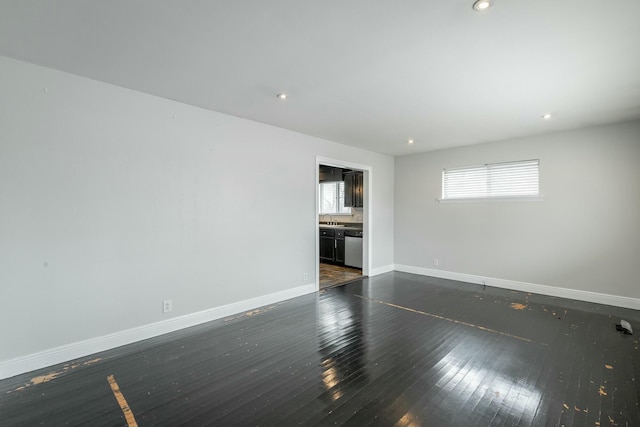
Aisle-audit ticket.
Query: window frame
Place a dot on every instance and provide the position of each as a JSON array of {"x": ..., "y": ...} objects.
[{"x": 342, "y": 209}]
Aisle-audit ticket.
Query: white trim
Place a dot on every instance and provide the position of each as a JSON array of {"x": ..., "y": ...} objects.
[
  {"x": 84, "y": 348},
  {"x": 381, "y": 270},
  {"x": 341, "y": 163},
  {"x": 615, "y": 300}
]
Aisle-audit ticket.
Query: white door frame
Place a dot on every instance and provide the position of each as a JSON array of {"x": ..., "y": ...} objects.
[{"x": 366, "y": 211}]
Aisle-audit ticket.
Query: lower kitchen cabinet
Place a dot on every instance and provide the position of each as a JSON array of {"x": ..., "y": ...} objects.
[
  {"x": 338, "y": 257},
  {"x": 327, "y": 239},
  {"x": 332, "y": 246}
]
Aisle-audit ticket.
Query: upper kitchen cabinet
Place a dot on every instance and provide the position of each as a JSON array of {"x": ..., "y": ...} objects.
[
  {"x": 330, "y": 174},
  {"x": 353, "y": 189}
]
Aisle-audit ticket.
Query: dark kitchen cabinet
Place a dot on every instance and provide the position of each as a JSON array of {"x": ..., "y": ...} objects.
[
  {"x": 353, "y": 189},
  {"x": 329, "y": 174},
  {"x": 338, "y": 256},
  {"x": 332, "y": 246},
  {"x": 348, "y": 189},
  {"x": 327, "y": 244}
]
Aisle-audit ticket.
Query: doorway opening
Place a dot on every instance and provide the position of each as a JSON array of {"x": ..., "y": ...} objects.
[{"x": 342, "y": 211}]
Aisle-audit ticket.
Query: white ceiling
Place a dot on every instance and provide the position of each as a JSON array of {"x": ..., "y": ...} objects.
[{"x": 366, "y": 73}]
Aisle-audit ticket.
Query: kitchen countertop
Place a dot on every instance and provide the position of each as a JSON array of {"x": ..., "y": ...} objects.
[{"x": 354, "y": 227}]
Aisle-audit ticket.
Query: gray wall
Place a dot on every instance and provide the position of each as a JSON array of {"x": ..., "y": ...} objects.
[
  {"x": 585, "y": 235},
  {"x": 113, "y": 200}
]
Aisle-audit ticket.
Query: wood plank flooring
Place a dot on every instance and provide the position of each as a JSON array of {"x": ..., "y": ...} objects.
[
  {"x": 393, "y": 350},
  {"x": 333, "y": 275}
]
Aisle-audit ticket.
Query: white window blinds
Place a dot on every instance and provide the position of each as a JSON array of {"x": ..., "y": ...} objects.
[
  {"x": 332, "y": 198},
  {"x": 497, "y": 180}
]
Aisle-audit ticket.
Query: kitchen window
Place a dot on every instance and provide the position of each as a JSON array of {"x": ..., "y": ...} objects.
[
  {"x": 496, "y": 181},
  {"x": 332, "y": 199}
]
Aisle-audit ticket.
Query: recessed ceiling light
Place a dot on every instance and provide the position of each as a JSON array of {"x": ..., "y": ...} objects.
[
  {"x": 546, "y": 116},
  {"x": 282, "y": 96},
  {"x": 481, "y": 5},
  {"x": 410, "y": 141}
]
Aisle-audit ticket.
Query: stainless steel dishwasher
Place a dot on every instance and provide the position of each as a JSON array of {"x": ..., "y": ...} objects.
[{"x": 353, "y": 248}]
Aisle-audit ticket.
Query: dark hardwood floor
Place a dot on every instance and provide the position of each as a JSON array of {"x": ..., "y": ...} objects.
[{"x": 392, "y": 350}]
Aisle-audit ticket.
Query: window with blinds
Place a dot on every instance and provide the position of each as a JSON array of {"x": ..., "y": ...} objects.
[
  {"x": 332, "y": 198},
  {"x": 492, "y": 181}
]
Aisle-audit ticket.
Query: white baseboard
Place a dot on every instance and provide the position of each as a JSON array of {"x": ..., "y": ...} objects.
[
  {"x": 90, "y": 346},
  {"x": 615, "y": 300},
  {"x": 381, "y": 270}
]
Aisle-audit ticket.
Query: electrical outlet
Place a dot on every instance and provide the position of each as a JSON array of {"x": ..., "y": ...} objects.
[
  {"x": 436, "y": 262},
  {"x": 167, "y": 306},
  {"x": 305, "y": 277}
]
